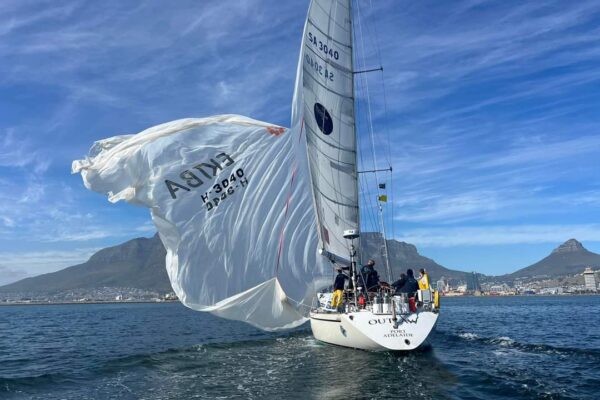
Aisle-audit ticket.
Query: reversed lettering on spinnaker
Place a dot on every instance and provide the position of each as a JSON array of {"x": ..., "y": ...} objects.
[{"x": 194, "y": 177}]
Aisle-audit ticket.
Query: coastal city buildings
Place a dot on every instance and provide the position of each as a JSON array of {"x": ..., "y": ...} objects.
[
  {"x": 92, "y": 295},
  {"x": 477, "y": 284},
  {"x": 473, "y": 284}
]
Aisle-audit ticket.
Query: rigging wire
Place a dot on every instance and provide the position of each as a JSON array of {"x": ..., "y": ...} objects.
[
  {"x": 373, "y": 152},
  {"x": 385, "y": 125},
  {"x": 366, "y": 192},
  {"x": 367, "y": 197}
]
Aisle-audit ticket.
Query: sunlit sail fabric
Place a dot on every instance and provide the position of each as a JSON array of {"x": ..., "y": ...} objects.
[
  {"x": 229, "y": 198},
  {"x": 324, "y": 105}
]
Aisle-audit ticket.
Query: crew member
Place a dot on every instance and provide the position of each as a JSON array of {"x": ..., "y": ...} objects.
[
  {"x": 369, "y": 276},
  {"x": 338, "y": 288},
  {"x": 423, "y": 280},
  {"x": 400, "y": 282},
  {"x": 411, "y": 286}
]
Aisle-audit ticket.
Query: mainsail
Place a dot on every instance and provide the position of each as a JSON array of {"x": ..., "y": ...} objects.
[
  {"x": 228, "y": 197},
  {"x": 324, "y": 108}
]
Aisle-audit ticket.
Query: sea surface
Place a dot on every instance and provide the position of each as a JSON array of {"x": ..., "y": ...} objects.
[{"x": 483, "y": 348}]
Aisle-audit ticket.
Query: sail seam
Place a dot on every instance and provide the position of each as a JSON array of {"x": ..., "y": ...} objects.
[
  {"x": 329, "y": 158},
  {"x": 332, "y": 200},
  {"x": 329, "y": 37},
  {"x": 329, "y": 61},
  {"x": 308, "y": 71},
  {"x": 314, "y": 134}
]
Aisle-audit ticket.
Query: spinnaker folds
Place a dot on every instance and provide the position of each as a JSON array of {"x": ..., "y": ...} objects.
[
  {"x": 244, "y": 207},
  {"x": 229, "y": 198}
]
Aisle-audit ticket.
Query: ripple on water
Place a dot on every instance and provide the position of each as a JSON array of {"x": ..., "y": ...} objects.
[{"x": 169, "y": 352}]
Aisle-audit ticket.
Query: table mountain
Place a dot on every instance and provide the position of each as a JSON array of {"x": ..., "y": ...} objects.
[{"x": 140, "y": 263}]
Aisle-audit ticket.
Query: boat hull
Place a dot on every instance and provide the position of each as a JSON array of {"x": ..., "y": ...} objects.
[{"x": 375, "y": 332}]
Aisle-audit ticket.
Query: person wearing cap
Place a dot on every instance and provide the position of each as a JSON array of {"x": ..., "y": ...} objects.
[
  {"x": 338, "y": 288},
  {"x": 423, "y": 280}
]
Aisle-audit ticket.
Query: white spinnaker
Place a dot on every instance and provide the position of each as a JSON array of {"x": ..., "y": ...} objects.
[
  {"x": 324, "y": 101},
  {"x": 229, "y": 198}
]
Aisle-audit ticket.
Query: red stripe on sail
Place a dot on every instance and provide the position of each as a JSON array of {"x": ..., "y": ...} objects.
[{"x": 287, "y": 206}]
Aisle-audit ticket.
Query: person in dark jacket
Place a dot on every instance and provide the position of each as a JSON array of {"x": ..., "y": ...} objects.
[
  {"x": 411, "y": 285},
  {"x": 369, "y": 277},
  {"x": 338, "y": 288},
  {"x": 400, "y": 282}
]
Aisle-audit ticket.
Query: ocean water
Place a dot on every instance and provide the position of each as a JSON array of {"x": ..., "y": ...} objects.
[{"x": 483, "y": 348}]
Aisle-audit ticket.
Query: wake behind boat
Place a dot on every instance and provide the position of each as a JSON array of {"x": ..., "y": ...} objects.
[{"x": 255, "y": 217}]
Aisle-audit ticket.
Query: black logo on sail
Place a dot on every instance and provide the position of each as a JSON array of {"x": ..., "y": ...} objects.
[{"x": 323, "y": 119}]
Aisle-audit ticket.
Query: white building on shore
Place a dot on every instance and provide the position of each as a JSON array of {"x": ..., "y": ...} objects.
[{"x": 590, "y": 280}]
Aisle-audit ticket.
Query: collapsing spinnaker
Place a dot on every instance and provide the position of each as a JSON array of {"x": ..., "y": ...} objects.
[{"x": 228, "y": 197}]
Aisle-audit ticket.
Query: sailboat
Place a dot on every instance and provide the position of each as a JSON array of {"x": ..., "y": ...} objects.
[{"x": 255, "y": 216}]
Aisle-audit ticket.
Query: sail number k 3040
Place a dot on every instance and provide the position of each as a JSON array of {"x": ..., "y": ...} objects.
[{"x": 221, "y": 190}]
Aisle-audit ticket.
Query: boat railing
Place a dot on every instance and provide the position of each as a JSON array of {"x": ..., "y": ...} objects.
[{"x": 381, "y": 302}]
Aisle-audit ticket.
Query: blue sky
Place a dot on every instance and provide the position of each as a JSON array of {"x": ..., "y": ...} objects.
[{"x": 492, "y": 115}]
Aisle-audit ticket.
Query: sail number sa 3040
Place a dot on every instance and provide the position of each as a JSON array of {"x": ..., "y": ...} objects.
[{"x": 221, "y": 189}]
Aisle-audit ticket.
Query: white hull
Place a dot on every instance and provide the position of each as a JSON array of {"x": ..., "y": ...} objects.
[{"x": 375, "y": 332}]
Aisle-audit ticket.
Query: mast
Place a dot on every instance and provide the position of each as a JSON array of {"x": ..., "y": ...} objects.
[{"x": 353, "y": 254}]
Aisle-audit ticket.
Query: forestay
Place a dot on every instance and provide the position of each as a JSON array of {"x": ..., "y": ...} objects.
[
  {"x": 228, "y": 196},
  {"x": 324, "y": 104}
]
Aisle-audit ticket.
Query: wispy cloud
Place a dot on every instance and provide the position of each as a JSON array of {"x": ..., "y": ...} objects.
[
  {"x": 500, "y": 235},
  {"x": 8, "y": 275},
  {"x": 18, "y": 265},
  {"x": 15, "y": 151}
]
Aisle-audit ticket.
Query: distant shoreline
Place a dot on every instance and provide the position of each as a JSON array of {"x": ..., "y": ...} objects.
[
  {"x": 177, "y": 301},
  {"x": 58, "y": 303}
]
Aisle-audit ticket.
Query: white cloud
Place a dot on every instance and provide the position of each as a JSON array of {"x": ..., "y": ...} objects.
[
  {"x": 8, "y": 275},
  {"x": 147, "y": 227},
  {"x": 499, "y": 235},
  {"x": 18, "y": 265}
]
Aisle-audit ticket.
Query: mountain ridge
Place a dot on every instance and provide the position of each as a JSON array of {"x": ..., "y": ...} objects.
[
  {"x": 569, "y": 258},
  {"x": 140, "y": 263},
  {"x": 137, "y": 263}
]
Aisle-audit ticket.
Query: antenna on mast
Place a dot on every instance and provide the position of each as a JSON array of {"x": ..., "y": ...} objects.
[{"x": 352, "y": 234}]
